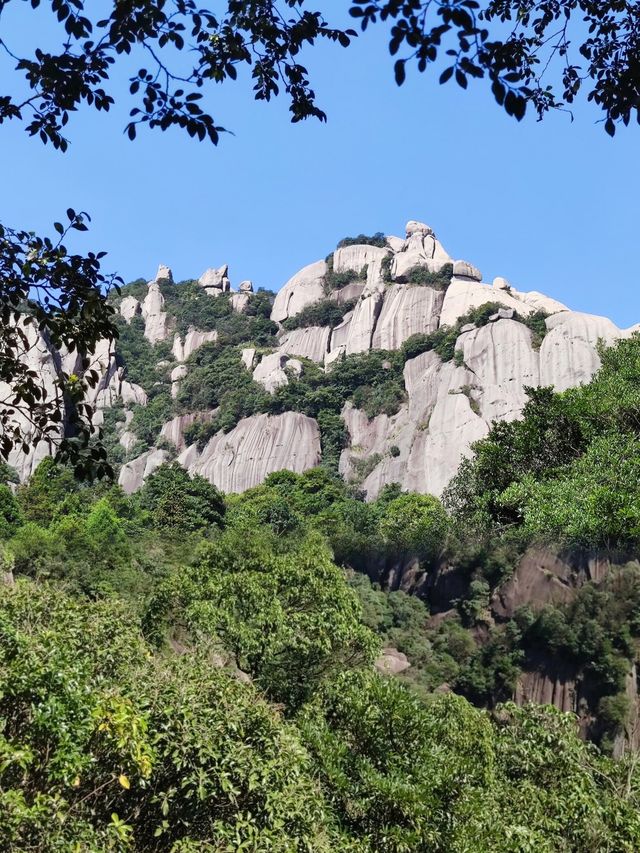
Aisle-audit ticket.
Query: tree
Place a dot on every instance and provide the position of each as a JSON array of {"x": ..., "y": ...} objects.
[
  {"x": 179, "y": 503},
  {"x": 290, "y": 620},
  {"x": 533, "y": 52}
]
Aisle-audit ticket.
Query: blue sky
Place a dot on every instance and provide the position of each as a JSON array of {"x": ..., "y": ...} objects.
[{"x": 552, "y": 206}]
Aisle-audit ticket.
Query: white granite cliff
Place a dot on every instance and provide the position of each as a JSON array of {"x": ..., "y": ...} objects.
[{"x": 448, "y": 406}]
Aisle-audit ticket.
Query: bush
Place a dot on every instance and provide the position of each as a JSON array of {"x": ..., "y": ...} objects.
[
  {"x": 337, "y": 280},
  {"x": 178, "y": 502},
  {"x": 326, "y": 312},
  {"x": 378, "y": 239},
  {"x": 439, "y": 280}
]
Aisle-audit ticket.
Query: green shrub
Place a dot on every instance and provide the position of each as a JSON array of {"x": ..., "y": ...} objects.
[
  {"x": 439, "y": 280},
  {"x": 326, "y": 312},
  {"x": 337, "y": 280},
  {"x": 378, "y": 239}
]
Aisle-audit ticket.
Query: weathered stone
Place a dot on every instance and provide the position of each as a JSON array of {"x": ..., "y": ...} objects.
[
  {"x": 503, "y": 361},
  {"x": 568, "y": 355},
  {"x": 271, "y": 371},
  {"x": 348, "y": 293},
  {"x": 156, "y": 320},
  {"x": 406, "y": 310},
  {"x": 245, "y": 286},
  {"x": 463, "y": 269},
  {"x": 193, "y": 340},
  {"x": 240, "y": 302},
  {"x": 312, "y": 342},
  {"x": 362, "y": 324},
  {"x": 164, "y": 274},
  {"x": 304, "y": 288},
  {"x": 128, "y": 440},
  {"x": 129, "y": 308},
  {"x": 392, "y": 662},
  {"x": 258, "y": 446},
  {"x": 173, "y": 431},
  {"x": 469, "y": 327},
  {"x": 357, "y": 258},
  {"x": 248, "y": 357},
  {"x": 462, "y": 295},
  {"x": 419, "y": 249},
  {"x": 215, "y": 281},
  {"x": 501, "y": 283},
  {"x": 134, "y": 473}
]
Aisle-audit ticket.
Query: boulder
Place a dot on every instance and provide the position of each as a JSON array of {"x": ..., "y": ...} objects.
[
  {"x": 215, "y": 281},
  {"x": 420, "y": 248},
  {"x": 271, "y": 371},
  {"x": 177, "y": 375},
  {"x": 248, "y": 357},
  {"x": 130, "y": 308},
  {"x": 392, "y": 662},
  {"x": 463, "y": 269},
  {"x": 304, "y": 288},
  {"x": 245, "y": 287},
  {"x": 156, "y": 321},
  {"x": 193, "y": 340},
  {"x": 501, "y": 283},
  {"x": 128, "y": 440},
  {"x": 569, "y": 355},
  {"x": 240, "y": 302},
  {"x": 164, "y": 274}
]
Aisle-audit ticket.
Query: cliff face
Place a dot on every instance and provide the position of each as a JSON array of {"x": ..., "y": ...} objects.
[{"x": 408, "y": 286}]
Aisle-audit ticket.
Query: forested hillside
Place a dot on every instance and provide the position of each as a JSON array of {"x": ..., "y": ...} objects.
[
  {"x": 258, "y": 638},
  {"x": 184, "y": 670}
]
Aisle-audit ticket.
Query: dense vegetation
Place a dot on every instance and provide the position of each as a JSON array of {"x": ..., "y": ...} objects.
[{"x": 180, "y": 671}]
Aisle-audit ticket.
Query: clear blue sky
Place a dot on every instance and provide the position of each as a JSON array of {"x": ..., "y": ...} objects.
[{"x": 552, "y": 206}]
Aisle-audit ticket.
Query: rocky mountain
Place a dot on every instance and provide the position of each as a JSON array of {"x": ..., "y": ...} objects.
[{"x": 387, "y": 360}]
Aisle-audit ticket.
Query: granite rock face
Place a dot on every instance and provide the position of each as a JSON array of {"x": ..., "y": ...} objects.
[
  {"x": 406, "y": 310},
  {"x": 156, "y": 320},
  {"x": 448, "y": 406},
  {"x": 215, "y": 281},
  {"x": 304, "y": 288},
  {"x": 258, "y": 446}
]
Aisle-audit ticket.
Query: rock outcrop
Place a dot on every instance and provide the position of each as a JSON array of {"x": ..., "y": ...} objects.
[
  {"x": 258, "y": 446},
  {"x": 215, "y": 281},
  {"x": 134, "y": 473},
  {"x": 304, "y": 288},
  {"x": 449, "y": 404},
  {"x": 156, "y": 319}
]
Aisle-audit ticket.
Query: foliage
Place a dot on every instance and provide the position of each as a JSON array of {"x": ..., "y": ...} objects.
[
  {"x": 326, "y": 312},
  {"x": 108, "y": 746},
  {"x": 53, "y": 299},
  {"x": 289, "y": 620},
  {"x": 140, "y": 358},
  {"x": 544, "y": 61},
  {"x": 179, "y": 502},
  {"x": 378, "y": 239},
  {"x": 148, "y": 420},
  {"x": 336, "y": 280},
  {"x": 439, "y": 280}
]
